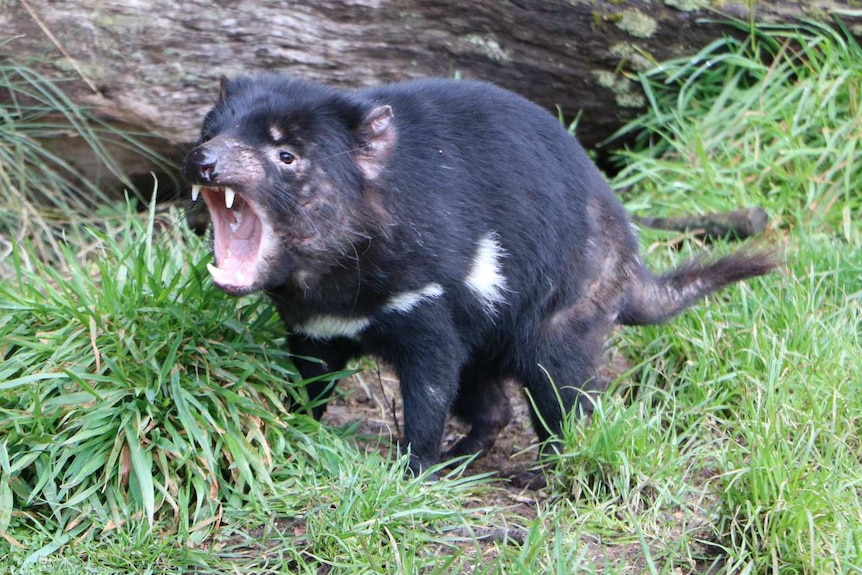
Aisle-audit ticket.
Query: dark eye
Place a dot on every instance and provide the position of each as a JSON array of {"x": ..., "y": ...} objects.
[
  {"x": 206, "y": 138},
  {"x": 286, "y": 157}
]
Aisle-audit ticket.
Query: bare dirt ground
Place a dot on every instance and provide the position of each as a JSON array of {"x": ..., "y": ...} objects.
[{"x": 372, "y": 399}]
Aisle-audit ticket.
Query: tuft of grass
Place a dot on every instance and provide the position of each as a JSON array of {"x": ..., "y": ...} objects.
[
  {"x": 130, "y": 388},
  {"x": 791, "y": 497},
  {"x": 755, "y": 394},
  {"x": 759, "y": 121},
  {"x": 619, "y": 455}
]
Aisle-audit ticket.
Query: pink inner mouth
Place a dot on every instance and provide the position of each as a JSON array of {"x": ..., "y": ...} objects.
[{"x": 237, "y": 234}]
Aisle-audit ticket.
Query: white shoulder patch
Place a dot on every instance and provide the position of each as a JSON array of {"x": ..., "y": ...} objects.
[
  {"x": 486, "y": 279},
  {"x": 406, "y": 301},
  {"x": 330, "y": 326}
]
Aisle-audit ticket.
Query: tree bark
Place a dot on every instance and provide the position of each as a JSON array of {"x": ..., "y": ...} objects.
[{"x": 156, "y": 64}]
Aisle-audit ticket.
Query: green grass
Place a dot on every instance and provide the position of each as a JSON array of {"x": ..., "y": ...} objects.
[
  {"x": 757, "y": 393},
  {"x": 143, "y": 426},
  {"x": 96, "y": 419},
  {"x": 774, "y": 122}
]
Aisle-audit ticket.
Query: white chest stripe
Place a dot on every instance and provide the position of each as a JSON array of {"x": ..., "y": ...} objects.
[
  {"x": 330, "y": 326},
  {"x": 486, "y": 279}
]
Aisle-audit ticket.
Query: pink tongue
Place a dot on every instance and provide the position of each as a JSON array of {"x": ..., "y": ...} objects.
[
  {"x": 241, "y": 244},
  {"x": 236, "y": 253}
]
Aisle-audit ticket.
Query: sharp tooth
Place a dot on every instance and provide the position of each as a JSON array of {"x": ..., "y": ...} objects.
[
  {"x": 196, "y": 192},
  {"x": 233, "y": 227},
  {"x": 229, "y": 195},
  {"x": 217, "y": 274}
]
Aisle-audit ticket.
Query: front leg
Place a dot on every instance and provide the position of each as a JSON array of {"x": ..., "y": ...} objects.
[
  {"x": 333, "y": 355},
  {"x": 428, "y": 388},
  {"x": 427, "y": 355}
]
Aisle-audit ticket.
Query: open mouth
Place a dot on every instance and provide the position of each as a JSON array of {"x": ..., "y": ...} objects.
[{"x": 242, "y": 236}]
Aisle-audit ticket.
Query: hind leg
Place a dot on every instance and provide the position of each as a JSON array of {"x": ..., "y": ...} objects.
[
  {"x": 560, "y": 373},
  {"x": 482, "y": 403}
]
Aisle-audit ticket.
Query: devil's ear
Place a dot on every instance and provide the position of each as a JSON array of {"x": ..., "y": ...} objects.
[{"x": 377, "y": 140}]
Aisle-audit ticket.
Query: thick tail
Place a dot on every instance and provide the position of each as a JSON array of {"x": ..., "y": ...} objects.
[{"x": 654, "y": 299}]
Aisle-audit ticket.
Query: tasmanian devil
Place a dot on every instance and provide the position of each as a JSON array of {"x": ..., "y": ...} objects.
[{"x": 450, "y": 228}]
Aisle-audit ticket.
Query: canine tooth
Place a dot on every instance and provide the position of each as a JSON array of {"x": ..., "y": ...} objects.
[
  {"x": 234, "y": 226},
  {"x": 229, "y": 195},
  {"x": 216, "y": 273},
  {"x": 196, "y": 192}
]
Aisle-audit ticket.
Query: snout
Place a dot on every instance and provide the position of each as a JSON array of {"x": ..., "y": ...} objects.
[{"x": 201, "y": 166}]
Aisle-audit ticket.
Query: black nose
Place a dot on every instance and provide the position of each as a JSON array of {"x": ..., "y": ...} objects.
[{"x": 201, "y": 165}]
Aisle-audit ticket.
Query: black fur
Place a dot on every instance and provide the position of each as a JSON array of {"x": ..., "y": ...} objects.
[{"x": 451, "y": 228}]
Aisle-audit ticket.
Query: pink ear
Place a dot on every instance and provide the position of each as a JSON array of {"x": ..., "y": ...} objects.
[{"x": 377, "y": 137}]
